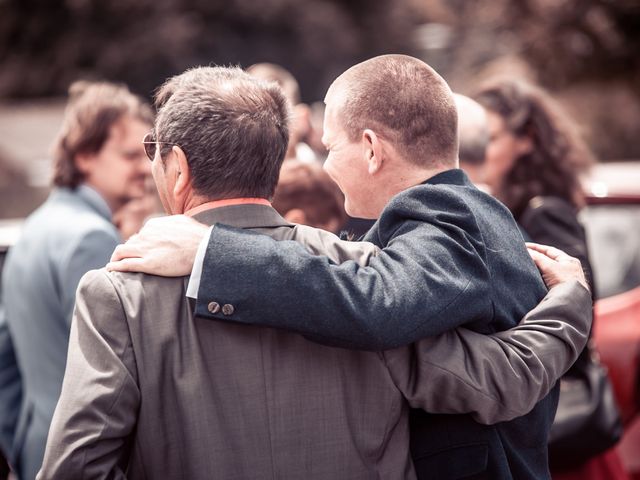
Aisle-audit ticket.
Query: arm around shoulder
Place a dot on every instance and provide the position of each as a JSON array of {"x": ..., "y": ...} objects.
[
  {"x": 502, "y": 376},
  {"x": 280, "y": 284}
]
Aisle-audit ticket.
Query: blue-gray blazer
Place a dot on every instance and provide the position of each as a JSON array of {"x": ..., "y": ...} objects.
[{"x": 70, "y": 234}]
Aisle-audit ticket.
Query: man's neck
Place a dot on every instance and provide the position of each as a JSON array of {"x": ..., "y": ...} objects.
[
  {"x": 409, "y": 176},
  {"x": 226, "y": 202}
]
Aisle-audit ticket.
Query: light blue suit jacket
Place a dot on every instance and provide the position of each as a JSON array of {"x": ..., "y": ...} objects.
[{"x": 70, "y": 234}]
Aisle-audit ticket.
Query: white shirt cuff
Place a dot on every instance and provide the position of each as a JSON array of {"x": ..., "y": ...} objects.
[{"x": 196, "y": 273}]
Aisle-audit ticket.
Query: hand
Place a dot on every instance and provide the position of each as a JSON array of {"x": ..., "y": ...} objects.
[
  {"x": 165, "y": 246},
  {"x": 556, "y": 266}
]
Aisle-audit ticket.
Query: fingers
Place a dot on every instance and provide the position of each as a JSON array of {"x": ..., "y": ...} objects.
[
  {"x": 540, "y": 259},
  {"x": 554, "y": 254},
  {"x": 551, "y": 252},
  {"x": 556, "y": 266},
  {"x": 128, "y": 265},
  {"x": 126, "y": 250},
  {"x": 167, "y": 221}
]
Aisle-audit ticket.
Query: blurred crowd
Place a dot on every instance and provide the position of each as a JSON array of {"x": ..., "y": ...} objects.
[{"x": 515, "y": 143}]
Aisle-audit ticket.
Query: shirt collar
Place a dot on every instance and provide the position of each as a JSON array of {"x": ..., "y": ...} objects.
[
  {"x": 227, "y": 202},
  {"x": 454, "y": 176}
]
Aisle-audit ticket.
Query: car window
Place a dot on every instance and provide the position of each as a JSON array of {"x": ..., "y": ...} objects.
[{"x": 613, "y": 235}]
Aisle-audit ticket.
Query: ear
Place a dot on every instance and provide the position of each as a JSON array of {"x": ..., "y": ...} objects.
[
  {"x": 83, "y": 162},
  {"x": 182, "y": 172},
  {"x": 372, "y": 151}
]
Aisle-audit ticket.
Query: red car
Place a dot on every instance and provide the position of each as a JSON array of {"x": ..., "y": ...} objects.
[{"x": 612, "y": 220}]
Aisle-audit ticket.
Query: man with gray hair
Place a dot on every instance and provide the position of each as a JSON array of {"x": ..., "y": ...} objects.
[{"x": 151, "y": 391}]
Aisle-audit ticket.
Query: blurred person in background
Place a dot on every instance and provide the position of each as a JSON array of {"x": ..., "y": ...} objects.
[
  {"x": 306, "y": 194},
  {"x": 300, "y": 125},
  {"x": 314, "y": 137},
  {"x": 473, "y": 138},
  {"x": 99, "y": 166},
  {"x": 534, "y": 161},
  {"x": 129, "y": 218}
]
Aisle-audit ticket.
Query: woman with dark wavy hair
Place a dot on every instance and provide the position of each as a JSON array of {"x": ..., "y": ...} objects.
[{"x": 534, "y": 161}]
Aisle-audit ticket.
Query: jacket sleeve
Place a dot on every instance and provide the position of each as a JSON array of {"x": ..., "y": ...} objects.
[
  {"x": 10, "y": 388},
  {"x": 97, "y": 409},
  {"x": 374, "y": 307},
  {"x": 496, "y": 377}
]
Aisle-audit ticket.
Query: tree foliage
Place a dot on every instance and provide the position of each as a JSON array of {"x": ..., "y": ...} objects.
[
  {"x": 46, "y": 45},
  {"x": 584, "y": 51}
]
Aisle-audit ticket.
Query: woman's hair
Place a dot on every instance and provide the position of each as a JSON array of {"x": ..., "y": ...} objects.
[{"x": 558, "y": 155}]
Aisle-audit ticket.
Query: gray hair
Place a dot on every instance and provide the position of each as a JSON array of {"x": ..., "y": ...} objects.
[{"x": 232, "y": 127}]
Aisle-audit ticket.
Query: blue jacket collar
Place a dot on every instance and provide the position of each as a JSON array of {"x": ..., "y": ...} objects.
[
  {"x": 455, "y": 176},
  {"x": 87, "y": 195}
]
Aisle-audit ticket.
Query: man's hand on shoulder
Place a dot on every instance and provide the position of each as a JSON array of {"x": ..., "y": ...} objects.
[
  {"x": 556, "y": 266},
  {"x": 164, "y": 246}
]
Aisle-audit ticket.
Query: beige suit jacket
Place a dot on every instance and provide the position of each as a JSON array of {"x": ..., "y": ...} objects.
[{"x": 151, "y": 392}]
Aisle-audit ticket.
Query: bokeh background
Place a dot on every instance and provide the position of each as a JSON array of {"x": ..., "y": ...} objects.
[{"x": 587, "y": 52}]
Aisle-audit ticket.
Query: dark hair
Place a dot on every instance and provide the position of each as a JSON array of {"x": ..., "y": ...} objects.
[
  {"x": 232, "y": 127},
  {"x": 406, "y": 101},
  {"x": 558, "y": 154},
  {"x": 308, "y": 187},
  {"x": 93, "y": 108}
]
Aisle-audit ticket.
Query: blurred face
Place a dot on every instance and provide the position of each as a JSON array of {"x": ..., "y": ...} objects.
[
  {"x": 118, "y": 171},
  {"x": 503, "y": 150},
  {"x": 345, "y": 164}
]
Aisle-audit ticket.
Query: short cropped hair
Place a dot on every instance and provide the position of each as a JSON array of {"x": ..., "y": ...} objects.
[
  {"x": 308, "y": 187},
  {"x": 406, "y": 101},
  {"x": 232, "y": 127},
  {"x": 93, "y": 108}
]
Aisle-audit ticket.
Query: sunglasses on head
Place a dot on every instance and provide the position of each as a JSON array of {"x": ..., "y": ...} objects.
[{"x": 150, "y": 144}]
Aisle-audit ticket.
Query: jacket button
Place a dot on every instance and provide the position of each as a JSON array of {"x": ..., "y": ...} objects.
[
  {"x": 213, "y": 307},
  {"x": 227, "y": 309}
]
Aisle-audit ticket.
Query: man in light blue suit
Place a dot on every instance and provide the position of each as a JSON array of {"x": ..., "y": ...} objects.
[{"x": 100, "y": 165}]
